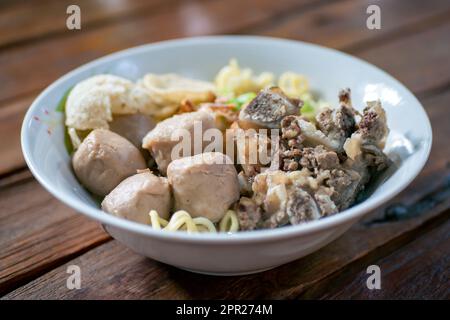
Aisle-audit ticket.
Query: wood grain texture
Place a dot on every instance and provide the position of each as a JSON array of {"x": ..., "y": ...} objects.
[
  {"x": 419, "y": 270},
  {"x": 214, "y": 16},
  {"x": 75, "y": 48},
  {"x": 19, "y": 22},
  {"x": 342, "y": 25},
  {"x": 11, "y": 117},
  {"x": 396, "y": 57},
  {"x": 61, "y": 233},
  {"x": 420, "y": 67},
  {"x": 113, "y": 271},
  {"x": 38, "y": 232}
]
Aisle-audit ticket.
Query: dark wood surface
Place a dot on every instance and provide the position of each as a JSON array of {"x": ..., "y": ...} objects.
[{"x": 39, "y": 236}]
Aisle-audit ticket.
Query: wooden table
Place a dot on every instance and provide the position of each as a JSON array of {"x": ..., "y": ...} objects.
[{"x": 40, "y": 237}]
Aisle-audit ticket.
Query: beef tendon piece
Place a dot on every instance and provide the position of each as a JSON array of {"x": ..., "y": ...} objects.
[
  {"x": 245, "y": 183},
  {"x": 373, "y": 125},
  {"x": 286, "y": 198},
  {"x": 281, "y": 198},
  {"x": 160, "y": 141},
  {"x": 267, "y": 109},
  {"x": 315, "y": 137},
  {"x": 345, "y": 97},
  {"x": 270, "y": 196},
  {"x": 346, "y": 184},
  {"x": 301, "y": 207},
  {"x": 205, "y": 185},
  {"x": 135, "y": 196},
  {"x": 319, "y": 178},
  {"x": 295, "y": 156},
  {"x": 310, "y": 158},
  {"x": 104, "y": 159},
  {"x": 338, "y": 124},
  {"x": 324, "y": 202},
  {"x": 331, "y": 188},
  {"x": 372, "y": 130},
  {"x": 249, "y": 214},
  {"x": 375, "y": 158},
  {"x": 291, "y": 133},
  {"x": 332, "y": 128},
  {"x": 253, "y": 151}
]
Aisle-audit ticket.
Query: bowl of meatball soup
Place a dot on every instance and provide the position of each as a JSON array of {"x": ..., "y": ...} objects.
[{"x": 226, "y": 155}]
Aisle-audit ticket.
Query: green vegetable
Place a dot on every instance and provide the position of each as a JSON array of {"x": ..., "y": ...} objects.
[
  {"x": 307, "y": 107},
  {"x": 241, "y": 100},
  {"x": 67, "y": 141},
  {"x": 61, "y": 107}
]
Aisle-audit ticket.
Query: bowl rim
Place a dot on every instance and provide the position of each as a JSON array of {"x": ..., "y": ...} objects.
[{"x": 265, "y": 235}]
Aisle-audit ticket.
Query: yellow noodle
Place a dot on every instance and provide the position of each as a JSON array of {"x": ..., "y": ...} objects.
[
  {"x": 182, "y": 220},
  {"x": 229, "y": 222},
  {"x": 206, "y": 223},
  {"x": 156, "y": 221},
  {"x": 231, "y": 79},
  {"x": 179, "y": 219},
  {"x": 293, "y": 84}
]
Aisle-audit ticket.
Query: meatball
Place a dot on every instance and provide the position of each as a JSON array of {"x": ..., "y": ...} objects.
[
  {"x": 135, "y": 196},
  {"x": 204, "y": 185},
  {"x": 160, "y": 143},
  {"x": 133, "y": 127},
  {"x": 104, "y": 159}
]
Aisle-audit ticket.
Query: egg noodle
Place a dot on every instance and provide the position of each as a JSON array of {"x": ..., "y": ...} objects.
[
  {"x": 293, "y": 84},
  {"x": 182, "y": 220}
]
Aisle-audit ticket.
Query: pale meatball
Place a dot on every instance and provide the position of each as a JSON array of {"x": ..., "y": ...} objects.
[
  {"x": 135, "y": 196},
  {"x": 104, "y": 159},
  {"x": 204, "y": 185},
  {"x": 163, "y": 138},
  {"x": 133, "y": 127}
]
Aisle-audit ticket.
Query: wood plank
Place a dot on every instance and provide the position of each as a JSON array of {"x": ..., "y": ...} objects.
[
  {"x": 112, "y": 271},
  {"x": 215, "y": 15},
  {"x": 19, "y": 219},
  {"x": 342, "y": 25},
  {"x": 187, "y": 19},
  {"x": 11, "y": 117},
  {"x": 432, "y": 61},
  {"x": 427, "y": 181},
  {"x": 419, "y": 270},
  {"x": 19, "y": 22},
  {"x": 407, "y": 59},
  {"x": 38, "y": 233}
]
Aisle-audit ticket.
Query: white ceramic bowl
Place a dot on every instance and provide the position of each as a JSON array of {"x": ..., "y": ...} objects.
[{"x": 246, "y": 252}]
